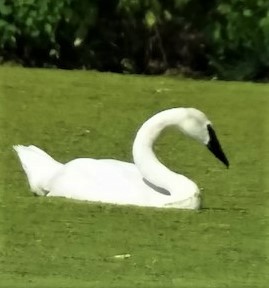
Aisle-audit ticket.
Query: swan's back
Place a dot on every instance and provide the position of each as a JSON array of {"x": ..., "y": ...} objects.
[
  {"x": 104, "y": 180},
  {"x": 116, "y": 182}
]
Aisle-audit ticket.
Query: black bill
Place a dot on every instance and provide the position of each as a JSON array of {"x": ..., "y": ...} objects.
[{"x": 214, "y": 146}]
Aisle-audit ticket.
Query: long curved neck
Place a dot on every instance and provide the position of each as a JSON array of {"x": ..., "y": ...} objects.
[{"x": 144, "y": 158}]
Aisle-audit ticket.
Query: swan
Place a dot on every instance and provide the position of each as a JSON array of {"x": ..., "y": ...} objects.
[{"x": 146, "y": 182}]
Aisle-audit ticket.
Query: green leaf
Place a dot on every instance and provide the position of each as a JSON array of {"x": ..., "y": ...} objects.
[
  {"x": 3, "y": 23},
  {"x": 167, "y": 15},
  {"x": 217, "y": 32},
  {"x": 35, "y": 33},
  {"x": 181, "y": 3},
  {"x": 29, "y": 22},
  {"x": 264, "y": 22},
  {"x": 224, "y": 8},
  {"x": 48, "y": 28},
  {"x": 150, "y": 19},
  {"x": 11, "y": 28},
  {"x": 247, "y": 13},
  {"x": 4, "y": 9}
]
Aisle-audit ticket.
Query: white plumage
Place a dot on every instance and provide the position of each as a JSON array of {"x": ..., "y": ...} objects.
[{"x": 146, "y": 182}]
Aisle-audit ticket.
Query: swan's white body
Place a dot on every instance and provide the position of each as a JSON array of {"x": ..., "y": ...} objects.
[{"x": 147, "y": 182}]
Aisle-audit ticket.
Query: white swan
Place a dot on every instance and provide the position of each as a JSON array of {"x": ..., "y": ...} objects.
[{"x": 147, "y": 182}]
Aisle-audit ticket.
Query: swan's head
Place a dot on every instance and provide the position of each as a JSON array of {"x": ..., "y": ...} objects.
[{"x": 196, "y": 125}]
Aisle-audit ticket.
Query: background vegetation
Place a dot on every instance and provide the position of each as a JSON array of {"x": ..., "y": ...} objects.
[
  {"x": 228, "y": 39},
  {"x": 62, "y": 243}
]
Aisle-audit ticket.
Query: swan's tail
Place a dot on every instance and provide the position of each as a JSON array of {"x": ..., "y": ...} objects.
[{"x": 38, "y": 166}]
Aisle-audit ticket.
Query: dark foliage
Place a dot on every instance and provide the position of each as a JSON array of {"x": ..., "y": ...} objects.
[{"x": 227, "y": 39}]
